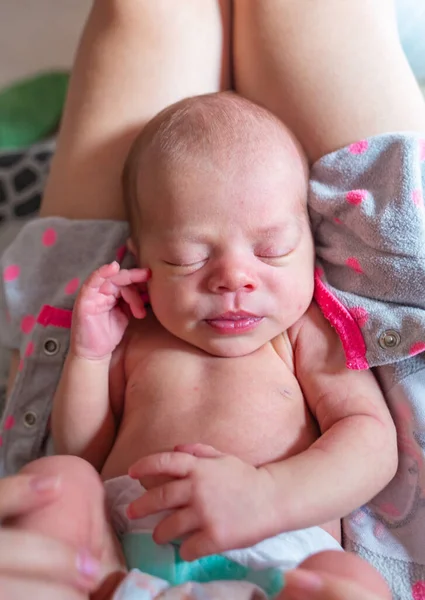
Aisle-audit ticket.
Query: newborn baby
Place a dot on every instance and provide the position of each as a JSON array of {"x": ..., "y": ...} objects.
[{"x": 221, "y": 415}]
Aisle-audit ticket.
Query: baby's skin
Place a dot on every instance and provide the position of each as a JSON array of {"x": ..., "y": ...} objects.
[{"x": 228, "y": 395}]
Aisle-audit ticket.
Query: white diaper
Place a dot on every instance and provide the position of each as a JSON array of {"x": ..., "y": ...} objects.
[{"x": 284, "y": 551}]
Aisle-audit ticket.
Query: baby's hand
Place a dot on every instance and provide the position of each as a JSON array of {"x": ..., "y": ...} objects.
[
  {"x": 219, "y": 502},
  {"x": 101, "y": 312}
]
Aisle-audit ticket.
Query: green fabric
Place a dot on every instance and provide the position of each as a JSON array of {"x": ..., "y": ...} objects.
[
  {"x": 142, "y": 553},
  {"x": 30, "y": 110}
]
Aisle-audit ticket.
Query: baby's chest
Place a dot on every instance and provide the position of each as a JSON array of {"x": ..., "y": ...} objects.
[
  {"x": 244, "y": 403},
  {"x": 163, "y": 365}
]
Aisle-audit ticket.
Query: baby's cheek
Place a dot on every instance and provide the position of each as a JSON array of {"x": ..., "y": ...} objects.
[
  {"x": 295, "y": 290},
  {"x": 165, "y": 297},
  {"x": 303, "y": 293}
]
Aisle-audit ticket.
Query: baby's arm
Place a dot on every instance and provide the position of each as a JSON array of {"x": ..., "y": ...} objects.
[
  {"x": 83, "y": 421},
  {"x": 86, "y": 407},
  {"x": 356, "y": 455}
]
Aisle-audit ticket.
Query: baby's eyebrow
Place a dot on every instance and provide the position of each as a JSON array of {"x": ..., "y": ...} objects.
[
  {"x": 185, "y": 237},
  {"x": 287, "y": 227},
  {"x": 271, "y": 230}
]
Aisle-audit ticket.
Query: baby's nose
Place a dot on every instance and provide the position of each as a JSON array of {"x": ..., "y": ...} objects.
[{"x": 227, "y": 278}]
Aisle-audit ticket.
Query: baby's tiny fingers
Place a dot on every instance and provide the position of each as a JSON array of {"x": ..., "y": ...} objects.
[
  {"x": 199, "y": 450},
  {"x": 172, "y": 494},
  {"x": 140, "y": 275},
  {"x": 128, "y": 276},
  {"x": 177, "y": 525},
  {"x": 174, "y": 464},
  {"x": 133, "y": 298},
  {"x": 197, "y": 545},
  {"x": 96, "y": 279}
]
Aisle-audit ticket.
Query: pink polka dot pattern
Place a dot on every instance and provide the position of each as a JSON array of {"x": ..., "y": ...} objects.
[
  {"x": 27, "y": 324},
  {"x": 29, "y": 349},
  {"x": 337, "y": 221},
  {"x": 418, "y": 590},
  {"x": 358, "y": 147},
  {"x": 421, "y": 149},
  {"x": 11, "y": 272},
  {"x": 49, "y": 237},
  {"x": 417, "y": 348},
  {"x": 358, "y": 517},
  {"x": 72, "y": 286},
  {"x": 9, "y": 422},
  {"x": 354, "y": 264},
  {"x": 360, "y": 314},
  {"x": 417, "y": 197},
  {"x": 318, "y": 271},
  {"x": 121, "y": 252},
  {"x": 379, "y": 531},
  {"x": 390, "y": 509},
  {"x": 356, "y": 196}
]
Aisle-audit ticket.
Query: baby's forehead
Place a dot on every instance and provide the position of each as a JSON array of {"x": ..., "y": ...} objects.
[
  {"x": 219, "y": 230},
  {"x": 217, "y": 133}
]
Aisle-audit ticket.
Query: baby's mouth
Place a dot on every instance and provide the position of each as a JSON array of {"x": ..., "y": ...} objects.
[{"x": 234, "y": 322}]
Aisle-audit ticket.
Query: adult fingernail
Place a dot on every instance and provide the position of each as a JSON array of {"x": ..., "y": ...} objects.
[
  {"x": 45, "y": 484},
  {"x": 88, "y": 565},
  {"x": 303, "y": 584}
]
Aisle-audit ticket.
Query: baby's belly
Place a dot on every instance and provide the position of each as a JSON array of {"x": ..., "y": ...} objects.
[{"x": 251, "y": 407}]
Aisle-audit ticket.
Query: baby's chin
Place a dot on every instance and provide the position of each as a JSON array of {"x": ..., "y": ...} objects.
[{"x": 230, "y": 346}]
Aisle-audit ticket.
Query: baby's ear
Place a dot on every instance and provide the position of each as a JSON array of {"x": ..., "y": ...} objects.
[{"x": 131, "y": 247}]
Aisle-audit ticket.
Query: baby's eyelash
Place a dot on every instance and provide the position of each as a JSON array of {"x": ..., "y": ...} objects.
[
  {"x": 271, "y": 254},
  {"x": 171, "y": 264}
]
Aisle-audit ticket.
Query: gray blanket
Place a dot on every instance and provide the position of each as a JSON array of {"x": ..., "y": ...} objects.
[{"x": 22, "y": 178}]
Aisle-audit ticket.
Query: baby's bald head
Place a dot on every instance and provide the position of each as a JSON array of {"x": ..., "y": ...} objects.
[{"x": 221, "y": 132}]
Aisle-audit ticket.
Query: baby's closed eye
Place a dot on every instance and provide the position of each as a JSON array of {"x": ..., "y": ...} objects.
[
  {"x": 273, "y": 254},
  {"x": 185, "y": 265}
]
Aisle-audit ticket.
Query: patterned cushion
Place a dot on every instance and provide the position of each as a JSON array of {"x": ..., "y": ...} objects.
[{"x": 22, "y": 179}]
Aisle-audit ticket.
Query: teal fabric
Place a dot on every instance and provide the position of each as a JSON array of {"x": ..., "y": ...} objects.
[{"x": 142, "y": 553}]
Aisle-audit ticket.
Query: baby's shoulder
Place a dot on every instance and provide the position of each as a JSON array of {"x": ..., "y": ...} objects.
[{"x": 313, "y": 337}]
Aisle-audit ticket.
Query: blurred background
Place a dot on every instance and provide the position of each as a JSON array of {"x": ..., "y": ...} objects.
[
  {"x": 411, "y": 22},
  {"x": 36, "y": 35}
]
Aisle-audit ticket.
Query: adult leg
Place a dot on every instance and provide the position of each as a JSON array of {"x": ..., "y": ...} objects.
[
  {"x": 332, "y": 70},
  {"x": 135, "y": 58}
]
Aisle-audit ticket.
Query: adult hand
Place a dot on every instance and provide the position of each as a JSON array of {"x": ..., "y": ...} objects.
[
  {"x": 335, "y": 576},
  {"x": 32, "y": 565}
]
